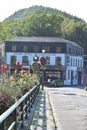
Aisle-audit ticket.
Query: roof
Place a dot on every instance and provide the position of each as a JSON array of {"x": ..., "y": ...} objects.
[{"x": 43, "y": 39}]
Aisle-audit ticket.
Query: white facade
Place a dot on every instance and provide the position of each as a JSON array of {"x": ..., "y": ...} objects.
[
  {"x": 70, "y": 53},
  {"x": 71, "y": 66}
]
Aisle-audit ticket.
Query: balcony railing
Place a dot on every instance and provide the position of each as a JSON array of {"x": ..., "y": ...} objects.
[{"x": 18, "y": 112}]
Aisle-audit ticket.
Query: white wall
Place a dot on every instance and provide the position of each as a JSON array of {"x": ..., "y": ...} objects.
[
  {"x": 31, "y": 55},
  {"x": 69, "y": 67}
]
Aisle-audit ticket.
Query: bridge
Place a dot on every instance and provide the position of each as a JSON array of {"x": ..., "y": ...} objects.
[
  {"x": 31, "y": 112},
  {"x": 59, "y": 108}
]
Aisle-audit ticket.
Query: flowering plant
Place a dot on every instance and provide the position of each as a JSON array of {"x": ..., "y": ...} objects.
[
  {"x": 36, "y": 67},
  {"x": 5, "y": 102},
  {"x": 12, "y": 88}
]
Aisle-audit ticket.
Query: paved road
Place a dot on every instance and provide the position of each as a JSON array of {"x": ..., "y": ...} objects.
[{"x": 70, "y": 107}]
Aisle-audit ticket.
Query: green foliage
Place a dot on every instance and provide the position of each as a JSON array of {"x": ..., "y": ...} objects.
[
  {"x": 12, "y": 88},
  {"x": 43, "y": 21},
  {"x": 4, "y": 102}
]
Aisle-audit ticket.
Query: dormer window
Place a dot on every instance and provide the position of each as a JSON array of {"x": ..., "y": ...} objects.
[{"x": 13, "y": 48}]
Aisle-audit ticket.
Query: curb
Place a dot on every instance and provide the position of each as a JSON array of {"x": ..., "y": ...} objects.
[
  {"x": 52, "y": 111},
  {"x": 57, "y": 122}
]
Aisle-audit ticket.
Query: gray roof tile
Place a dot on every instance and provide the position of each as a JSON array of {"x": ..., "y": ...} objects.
[{"x": 43, "y": 39}]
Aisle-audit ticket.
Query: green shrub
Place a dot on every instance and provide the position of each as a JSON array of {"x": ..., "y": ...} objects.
[
  {"x": 5, "y": 102},
  {"x": 12, "y": 88}
]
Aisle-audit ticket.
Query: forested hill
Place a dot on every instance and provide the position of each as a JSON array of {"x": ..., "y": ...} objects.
[
  {"x": 28, "y": 11},
  {"x": 44, "y": 21}
]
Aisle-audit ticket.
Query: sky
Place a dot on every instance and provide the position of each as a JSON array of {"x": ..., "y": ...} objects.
[{"x": 74, "y": 7}]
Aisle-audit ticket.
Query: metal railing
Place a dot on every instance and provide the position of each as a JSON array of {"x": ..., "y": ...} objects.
[{"x": 18, "y": 112}]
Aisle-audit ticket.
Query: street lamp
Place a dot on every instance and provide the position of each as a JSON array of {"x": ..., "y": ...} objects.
[
  {"x": 35, "y": 58},
  {"x": 43, "y": 62},
  {"x": 43, "y": 51}
]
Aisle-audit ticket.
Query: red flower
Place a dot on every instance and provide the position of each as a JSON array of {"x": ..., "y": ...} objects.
[
  {"x": 17, "y": 63},
  {"x": 3, "y": 68}
]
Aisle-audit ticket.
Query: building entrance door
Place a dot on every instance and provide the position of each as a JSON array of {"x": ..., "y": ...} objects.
[
  {"x": 79, "y": 78},
  {"x": 71, "y": 77}
]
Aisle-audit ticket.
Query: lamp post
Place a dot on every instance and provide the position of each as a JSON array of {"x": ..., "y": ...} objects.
[{"x": 43, "y": 62}]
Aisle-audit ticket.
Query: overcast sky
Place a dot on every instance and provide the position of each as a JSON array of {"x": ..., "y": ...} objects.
[{"x": 74, "y": 7}]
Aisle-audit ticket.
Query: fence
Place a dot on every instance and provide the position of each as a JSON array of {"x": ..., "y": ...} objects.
[{"x": 18, "y": 112}]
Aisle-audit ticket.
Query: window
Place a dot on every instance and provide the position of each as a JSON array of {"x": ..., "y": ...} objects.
[
  {"x": 36, "y": 49},
  {"x": 76, "y": 63},
  {"x": 13, "y": 60},
  {"x": 68, "y": 60},
  {"x": 25, "y": 60},
  {"x": 48, "y": 60},
  {"x": 68, "y": 74},
  {"x": 70, "y": 50},
  {"x": 25, "y": 49},
  {"x": 58, "y": 60},
  {"x": 71, "y": 62},
  {"x": 58, "y": 49},
  {"x": 13, "y": 48},
  {"x": 81, "y": 63},
  {"x": 47, "y": 48}
]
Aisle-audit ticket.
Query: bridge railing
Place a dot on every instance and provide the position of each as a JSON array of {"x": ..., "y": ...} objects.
[{"x": 18, "y": 112}]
